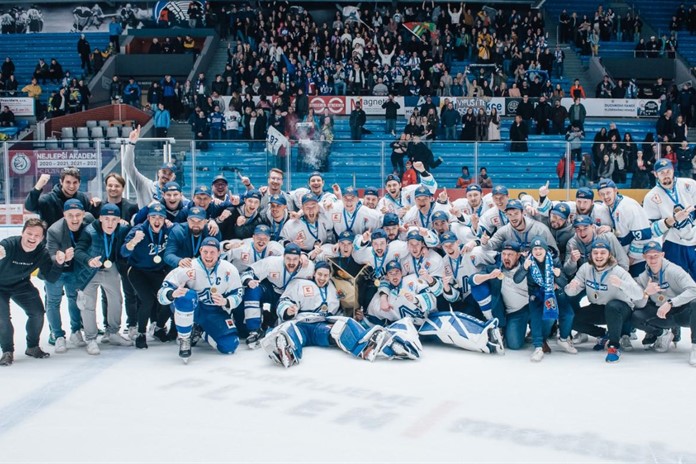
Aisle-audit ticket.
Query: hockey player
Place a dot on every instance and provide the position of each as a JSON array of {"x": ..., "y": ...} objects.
[
  {"x": 392, "y": 226},
  {"x": 543, "y": 275},
  {"x": 611, "y": 293},
  {"x": 584, "y": 204},
  {"x": 241, "y": 223},
  {"x": 63, "y": 236},
  {"x": 421, "y": 213},
  {"x": 349, "y": 214},
  {"x": 96, "y": 254},
  {"x": 265, "y": 281},
  {"x": 311, "y": 228},
  {"x": 629, "y": 222},
  {"x": 579, "y": 247},
  {"x": 274, "y": 188},
  {"x": 185, "y": 239},
  {"x": 19, "y": 257},
  {"x": 493, "y": 219},
  {"x": 669, "y": 301},
  {"x": 203, "y": 198},
  {"x": 244, "y": 253},
  {"x": 560, "y": 226},
  {"x": 520, "y": 229},
  {"x": 423, "y": 262},
  {"x": 174, "y": 204},
  {"x": 316, "y": 187},
  {"x": 370, "y": 198},
  {"x": 204, "y": 294},
  {"x": 143, "y": 248},
  {"x": 277, "y": 215},
  {"x": 397, "y": 199},
  {"x": 670, "y": 208}
]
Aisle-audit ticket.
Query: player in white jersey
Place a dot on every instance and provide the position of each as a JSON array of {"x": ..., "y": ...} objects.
[
  {"x": 670, "y": 208},
  {"x": 316, "y": 186},
  {"x": 311, "y": 228},
  {"x": 584, "y": 204},
  {"x": 629, "y": 222},
  {"x": 397, "y": 199},
  {"x": 244, "y": 253},
  {"x": 494, "y": 218},
  {"x": 205, "y": 294},
  {"x": 421, "y": 214},
  {"x": 423, "y": 262},
  {"x": 475, "y": 203},
  {"x": 265, "y": 281},
  {"x": 350, "y": 215}
]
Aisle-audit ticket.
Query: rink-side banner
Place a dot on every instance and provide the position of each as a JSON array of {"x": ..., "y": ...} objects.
[
  {"x": 20, "y": 106},
  {"x": 619, "y": 108},
  {"x": 35, "y": 162}
]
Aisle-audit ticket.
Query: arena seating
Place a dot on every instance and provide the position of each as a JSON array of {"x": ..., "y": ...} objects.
[
  {"x": 89, "y": 135},
  {"x": 358, "y": 160},
  {"x": 26, "y": 49}
]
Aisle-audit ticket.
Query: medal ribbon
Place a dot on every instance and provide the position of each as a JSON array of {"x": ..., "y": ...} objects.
[
  {"x": 196, "y": 243},
  {"x": 353, "y": 217},
  {"x": 108, "y": 246},
  {"x": 212, "y": 272}
]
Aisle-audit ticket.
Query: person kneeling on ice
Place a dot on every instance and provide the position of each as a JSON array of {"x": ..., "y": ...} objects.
[
  {"x": 410, "y": 297},
  {"x": 309, "y": 310},
  {"x": 611, "y": 292},
  {"x": 547, "y": 302},
  {"x": 205, "y": 294},
  {"x": 669, "y": 301}
]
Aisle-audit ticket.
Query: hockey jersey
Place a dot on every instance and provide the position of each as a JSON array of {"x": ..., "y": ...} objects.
[
  {"x": 660, "y": 203},
  {"x": 223, "y": 279}
]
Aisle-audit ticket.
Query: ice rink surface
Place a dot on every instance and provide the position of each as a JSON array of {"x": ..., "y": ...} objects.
[{"x": 129, "y": 405}]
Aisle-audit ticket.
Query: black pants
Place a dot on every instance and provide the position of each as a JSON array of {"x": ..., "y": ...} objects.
[
  {"x": 146, "y": 285},
  {"x": 27, "y": 297},
  {"x": 616, "y": 315},
  {"x": 682, "y": 316}
]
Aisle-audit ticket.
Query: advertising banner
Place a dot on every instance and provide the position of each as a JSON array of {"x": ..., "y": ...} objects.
[
  {"x": 36, "y": 162},
  {"x": 20, "y": 106},
  {"x": 373, "y": 105},
  {"x": 618, "y": 108}
]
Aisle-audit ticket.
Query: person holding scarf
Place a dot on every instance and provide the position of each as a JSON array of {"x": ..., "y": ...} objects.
[
  {"x": 143, "y": 249},
  {"x": 96, "y": 254},
  {"x": 547, "y": 302}
]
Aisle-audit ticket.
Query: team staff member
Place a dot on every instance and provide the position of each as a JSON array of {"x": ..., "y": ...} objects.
[
  {"x": 95, "y": 266},
  {"x": 49, "y": 206},
  {"x": 143, "y": 248},
  {"x": 19, "y": 257},
  {"x": 669, "y": 300},
  {"x": 63, "y": 236}
]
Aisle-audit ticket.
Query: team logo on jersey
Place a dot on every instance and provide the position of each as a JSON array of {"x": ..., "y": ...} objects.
[
  {"x": 307, "y": 291},
  {"x": 230, "y": 323},
  {"x": 495, "y": 221},
  {"x": 396, "y": 255},
  {"x": 411, "y": 285},
  {"x": 365, "y": 220},
  {"x": 656, "y": 199},
  {"x": 274, "y": 275},
  {"x": 245, "y": 257},
  {"x": 336, "y": 217}
]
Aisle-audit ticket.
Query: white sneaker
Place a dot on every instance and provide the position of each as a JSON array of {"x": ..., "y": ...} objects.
[
  {"x": 663, "y": 341},
  {"x": 132, "y": 333},
  {"x": 61, "y": 346},
  {"x": 76, "y": 339},
  {"x": 567, "y": 345},
  {"x": 625, "y": 343},
  {"x": 580, "y": 338},
  {"x": 537, "y": 355},
  {"x": 692, "y": 357},
  {"x": 117, "y": 340},
  {"x": 92, "y": 347}
]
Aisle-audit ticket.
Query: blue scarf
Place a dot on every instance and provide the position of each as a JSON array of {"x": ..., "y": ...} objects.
[{"x": 546, "y": 282}]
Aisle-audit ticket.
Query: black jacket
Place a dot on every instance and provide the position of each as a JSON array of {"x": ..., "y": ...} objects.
[{"x": 49, "y": 206}]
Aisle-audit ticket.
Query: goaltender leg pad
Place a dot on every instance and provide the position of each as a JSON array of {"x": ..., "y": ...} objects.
[
  {"x": 460, "y": 330},
  {"x": 284, "y": 344},
  {"x": 219, "y": 328},
  {"x": 353, "y": 338},
  {"x": 184, "y": 309},
  {"x": 403, "y": 342},
  {"x": 315, "y": 333}
]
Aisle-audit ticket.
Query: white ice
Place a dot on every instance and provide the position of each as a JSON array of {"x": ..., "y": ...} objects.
[{"x": 129, "y": 405}]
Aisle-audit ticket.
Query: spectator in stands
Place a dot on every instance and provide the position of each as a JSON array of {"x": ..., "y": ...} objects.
[
  {"x": 232, "y": 120},
  {"x": 84, "y": 50},
  {"x": 162, "y": 120},
  {"x": 154, "y": 95},
  {"x": 576, "y": 90},
  {"x": 115, "y": 89},
  {"x": 577, "y": 113},
  {"x": 390, "y": 108},
  {"x": 664, "y": 127},
  {"x": 132, "y": 93},
  {"x": 168, "y": 85},
  {"x": 465, "y": 179},
  {"x": 630, "y": 148},
  {"x": 399, "y": 151},
  {"x": 8, "y": 68},
  {"x": 525, "y": 109},
  {"x": 469, "y": 125},
  {"x": 641, "y": 172},
  {"x": 33, "y": 90},
  {"x": 542, "y": 114},
  {"x": 493, "y": 125},
  {"x": 575, "y": 136},
  {"x": 559, "y": 113},
  {"x": 7, "y": 117},
  {"x": 619, "y": 91},
  {"x": 410, "y": 176},
  {"x": 519, "y": 133},
  {"x": 585, "y": 171},
  {"x": 418, "y": 151},
  {"x": 558, "y": 61},
  {"x": 85, "y": 95},
  {"x": 681, "y": 131},
  {"x": 604, "y": 88},
  {"x": 617, "y": 154},
  {"x": 605, "y": 170},
  {"x": 356, "y": 122},
  {"x": 55, "y": 71},
  {"x": 201, "y": 129},
  {"x": 41, "y": 71},
  {"x": 561, "y": 171},
  {"x": 685, "y": 156},
  {"x": 115, "y": 31},
  {"x": 483, "y": 180}
]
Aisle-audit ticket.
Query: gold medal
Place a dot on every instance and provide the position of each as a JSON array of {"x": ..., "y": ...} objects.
[
  {"x": 157, "y": 259},
  {"x": 213, "y": 290},
  {"x": 108, "y": 264},
  {"x": 376, "y": 282},
  {"x": 501, "y": 276},
  {"x": 661, "y": 298},
  {"x": 324, "y": 308}
]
